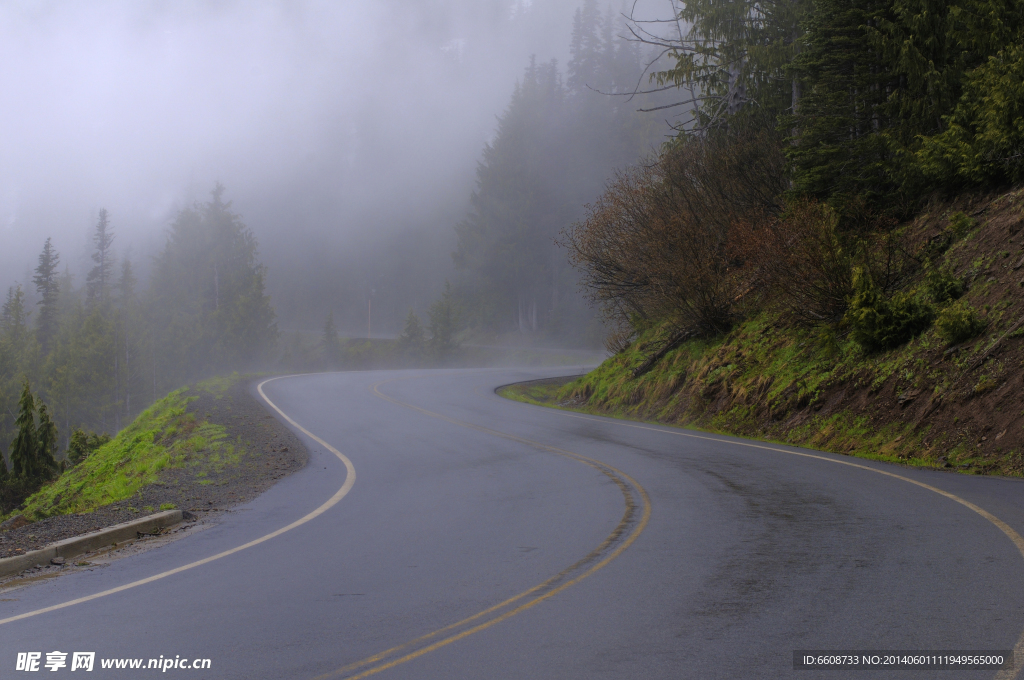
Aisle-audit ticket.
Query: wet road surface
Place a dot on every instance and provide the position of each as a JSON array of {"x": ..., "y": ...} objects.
[{"x": 484, "y": 538}]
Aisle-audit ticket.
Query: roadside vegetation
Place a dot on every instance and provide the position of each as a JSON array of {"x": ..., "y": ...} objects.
[
  {"x": 102, "y": 471},
  {"x": 828, "y": 252}
]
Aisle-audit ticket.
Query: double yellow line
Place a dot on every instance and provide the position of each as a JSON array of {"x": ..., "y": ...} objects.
[{"x": 621, "y": 537}]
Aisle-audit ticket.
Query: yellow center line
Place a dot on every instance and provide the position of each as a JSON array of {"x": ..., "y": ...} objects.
[
  {"x": 1016, "y": 538},
  {"x": 538, "y": 593},
  {"x": 350, "y": 479}
]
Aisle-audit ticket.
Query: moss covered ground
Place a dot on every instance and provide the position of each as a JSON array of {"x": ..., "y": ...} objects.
[{"x": 926, "y": 402}]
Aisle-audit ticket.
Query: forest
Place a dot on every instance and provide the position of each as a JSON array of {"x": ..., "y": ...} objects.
[
  {"x": 86, "y": 358},
  {"x": 800, "y": 136},
  {"x": 82, "y": 355},
  {"x": 808, "y": 132}
]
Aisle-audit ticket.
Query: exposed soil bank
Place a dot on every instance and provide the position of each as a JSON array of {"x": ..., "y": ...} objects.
[{"x": 923, "y": 403}]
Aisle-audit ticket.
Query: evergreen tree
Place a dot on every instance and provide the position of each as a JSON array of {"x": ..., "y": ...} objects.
[
  {"x": 100, "y": 277},
  {"x": 984, "y": 139},
  {"x": 585, "y": 70},
  {"x": 14, "y": 318},
  {"x": 46, "y": 442},
  {"x": 506, "y": 242},
  {"x": 16, "y": 356},
  {"x": 444, "y": 323},
  {"x": 841, "y": 152},
  {"x": 733, "y": 54},
  {"x": 126, "y": 283},
  {"x": 25, "y": 447},
  {"x": 48, "y": 288},
  {"x": 82, "y": 444},
  {"x": 208, "y": 294},
  {"x": 413, "y": 335}
]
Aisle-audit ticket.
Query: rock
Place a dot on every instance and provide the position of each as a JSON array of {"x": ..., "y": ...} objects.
[
  {"x": 59, "y": 561},
  {"x": 15, "y": 522},
  {"x": 284, "y": 449},
  {"x": 907, "y": 397},
  {"x": 187, "y": 516}
]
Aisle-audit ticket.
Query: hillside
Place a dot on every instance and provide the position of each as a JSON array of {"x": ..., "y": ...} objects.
[{"x": 928, "y": 402}]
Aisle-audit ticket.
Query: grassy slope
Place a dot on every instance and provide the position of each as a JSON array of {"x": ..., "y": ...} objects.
[
  {"x": 917, "y": 404},
  {"x": 164, "y": 435}
]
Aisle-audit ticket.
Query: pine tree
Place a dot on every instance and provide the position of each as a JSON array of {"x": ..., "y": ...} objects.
[
  {"x": 46, "y": 443},
  {"x": 734, "y": 54},
  {"x": 13, "y": 320},
  {"x": 584, "y": 70},
  {"x": 524, "y": 195},
  {"x": 208, "y": 294},
  {"x": 24, "y": 448},
  {"x": 48, "y": 288},
  {"x": 100, "y": 277},
  {"x": 444, "y": 323},
  {"x": 413, "y": 335},
  {"x": 840, "y": 151}
]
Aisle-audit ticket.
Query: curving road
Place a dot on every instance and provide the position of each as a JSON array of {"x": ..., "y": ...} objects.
[{"x": 441, "y": 531}]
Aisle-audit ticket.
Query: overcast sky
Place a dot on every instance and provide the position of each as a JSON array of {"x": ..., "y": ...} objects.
[{"x": 327, "y": 121}]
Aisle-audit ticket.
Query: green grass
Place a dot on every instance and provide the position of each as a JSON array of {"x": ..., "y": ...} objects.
[
  {"x": 163, "y": 436},
  {"x": 753, "y": 381}
]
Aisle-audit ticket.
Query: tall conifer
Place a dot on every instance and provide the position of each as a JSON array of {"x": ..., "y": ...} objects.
[
  {"x": 46, "y": 443},
  {"x": 25, "y": 445},
  {"x": 48, "y": 288},
  {"x": 100, "y": 277}
]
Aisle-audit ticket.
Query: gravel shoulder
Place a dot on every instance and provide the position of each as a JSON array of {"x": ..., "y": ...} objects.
[{"x": 266, "y": 450}]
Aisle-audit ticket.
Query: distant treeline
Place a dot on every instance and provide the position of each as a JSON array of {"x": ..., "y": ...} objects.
[
  {"x": 557, "y": 143},
  {"x": 96, "y": 352},
  {"x": 809, "y": 130}
]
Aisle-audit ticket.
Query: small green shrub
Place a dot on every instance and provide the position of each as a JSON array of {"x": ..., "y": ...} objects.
[
  {"x": 82, "y": 444},
  {"x": 958, "y": 323},
  {"x": 880, "y": 323},
  {"x": 960, "y": 224},
  {"x": 942, "y": 285}
]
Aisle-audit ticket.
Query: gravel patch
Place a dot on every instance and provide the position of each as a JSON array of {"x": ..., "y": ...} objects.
[{"x": 270, "y": 451}]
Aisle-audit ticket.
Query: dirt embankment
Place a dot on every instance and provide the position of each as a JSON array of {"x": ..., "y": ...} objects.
[
  {"x": 264, "y": 450},
  {"x": 924, "y": 403}
]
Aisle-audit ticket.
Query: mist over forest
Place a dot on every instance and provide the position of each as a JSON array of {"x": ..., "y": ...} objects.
[
  {"x": 347, "y": 137},
  {"x": 194, "y": 188},
  {"x": 188, "y": 189}
]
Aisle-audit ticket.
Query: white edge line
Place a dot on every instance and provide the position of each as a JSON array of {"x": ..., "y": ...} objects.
[{"x": 350, "y": 480}]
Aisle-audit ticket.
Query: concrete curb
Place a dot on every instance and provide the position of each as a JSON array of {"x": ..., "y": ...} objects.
[{"x": 69, "y": 547}]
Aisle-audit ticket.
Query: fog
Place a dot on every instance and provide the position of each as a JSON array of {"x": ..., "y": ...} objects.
[{"x": 331, "y": 124}]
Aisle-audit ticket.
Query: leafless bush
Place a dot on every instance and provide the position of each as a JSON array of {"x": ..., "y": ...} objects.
[
  {"x": 658, "y": 243},
  {"x": 805, "y": 260}
]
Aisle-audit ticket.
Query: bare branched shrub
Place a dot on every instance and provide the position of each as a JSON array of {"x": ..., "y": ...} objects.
[
  {"x": 657, "y": 244},
  {"x": 806, "y": 261}
]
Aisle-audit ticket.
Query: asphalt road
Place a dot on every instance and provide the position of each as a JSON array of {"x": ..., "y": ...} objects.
[{"x": 474, "y": 537}]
